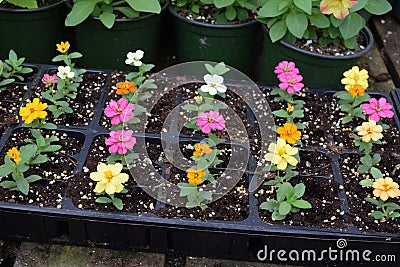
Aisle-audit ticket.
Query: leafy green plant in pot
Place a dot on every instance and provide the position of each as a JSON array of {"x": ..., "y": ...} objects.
[
  {"x": 324, "y": 37},
  {"x": 106, "y": 30},
  {"x": 217, "y": 30},
  {"x": 31, "y": 28}
]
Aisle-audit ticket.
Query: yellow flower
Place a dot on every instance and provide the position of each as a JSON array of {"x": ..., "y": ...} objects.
[
  {"x": 289, "y": 133},
  {"x": 369, "y": 130},
  {"x": 195, "y": 176},
  {"x": 355, "y": 76},
  {"x": 63, "y": 47},
  {"x": 32, "y": 111},
  {"x": 109, "y": 178},
  {"x": 290, "y": 108},
  {"x": 282, "y": 154},
  {"x": 14, "y": 154},
  {"x": 201, "y": 149},
  {"x": 339, "y": 8},
  {"x": 357, "y": 90},
  {"x": 385, "y": 188}
]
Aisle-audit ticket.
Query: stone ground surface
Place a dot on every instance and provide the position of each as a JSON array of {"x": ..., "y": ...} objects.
[{"x": 383, "y": 63}]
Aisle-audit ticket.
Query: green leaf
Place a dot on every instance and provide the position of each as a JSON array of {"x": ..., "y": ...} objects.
[
  {"x": 6, "y": 169},
  {"x": 376, "y": 173},
  {"x": 366, "y": 182},
  {"x": 223, "y": 3},
  {"x": 299, "y": 190},
  {"x": 271, "y": 9},
  {"x": 297, "y": 23},
  {"x": 190, "y": 107},
  {"x": 49, "y": 126},
  {"x": 8, "y": 184},
  {"x": 359, "y": 5},
  {"x": 378, "y": 7},
  {"x": 372, "y": 201},
  {"x": 298, "y": 114},
  {"x": 22, "y": 184},
  {"x": 80, "y": 11},
  {"x": 278, "y": 31},
  {"x": 103, "y": 200},
  {"x": 346, "y": 119},
  {"x": 24, "y": 3},
  {"x": 319, "y": 20},
  {"x": 76, "y": 55},
  {"x": 22, "y": 167},
  {"x": 281, "y": 192},
  {"x": 230, "y": 13},
  {"x": 284, "y": 208},
  {"x": 127, "y": 11},
  {"x": 187, "y": 189},
  {"x": 363, "y": 169},
  {"x": 270, "y": 205},
  {"x": 277, "y": 217},
  {"x": 304, "y": 5},
  {"x": 377, "y": 214},
  {"x": 281, "y": 113},
  {"x": 352, "y": 25},
  {"x": 39, "y": 159},
  {"x": 27, "y": 152},
  {"x": 51, "y": 148},
  {"x": 394, "y": 215},
  {"x": 301, "y": 204},
  {"x": 221, "y": 69},
  {"x": 376, "y": 159},
  {"x": 205, "y": 195},
  {"x": 33, "y": 178},
  {"x": 117, "y": 202},
  {"x": 150, "y": 6},
  {"x": 366, "y": 160}
]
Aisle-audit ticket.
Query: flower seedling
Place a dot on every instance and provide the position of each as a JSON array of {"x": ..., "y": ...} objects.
[
  {"x": 109, "y": 182},
  {"x": 12, "y": 69},
  {"x": 288, "y": 200}
]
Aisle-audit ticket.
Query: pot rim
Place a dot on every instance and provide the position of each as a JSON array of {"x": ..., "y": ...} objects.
[
  {"x": 31, "y": 10},
  {"x": 202, "y": 24},
  {"x": 126, "y": 19},
  {"x": 365, "y": 31}
]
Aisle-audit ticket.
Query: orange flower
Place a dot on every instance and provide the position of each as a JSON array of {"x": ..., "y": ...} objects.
[
  {"x": 201, "y": 149},
  {"x": 357, "y": 90},
  {"x": 63, "y": 47},
  {"x": 289, "y": 133},
  {"x": 124, "y": 88},
  {"x": 385, "y": 188},
  {"x": 195, "y": 176},
  {"x": 14, "y": 154}
]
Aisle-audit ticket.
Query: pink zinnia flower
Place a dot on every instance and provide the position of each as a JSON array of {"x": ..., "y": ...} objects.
[
  {"x": 120, "y": 111},
  {"x": 285, "y": 67},
  {"x": 290, "y": 82},
  {"x": 210, "y": 121},
  {"x": 120, "y": 141},
  {"x": 378, "y": 109},
  {"x": 49, "y": 80}
]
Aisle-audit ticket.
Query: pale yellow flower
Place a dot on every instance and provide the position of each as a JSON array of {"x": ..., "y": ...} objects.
[
  {"x": 109, "y": 178},
  {"x": 281, "y": 154},
  {"x": 355, "y": 76},
  {"x": 339, "y": 8},
  {"x": 370, "y": 131},
  {"x": 385, "y": 188}
]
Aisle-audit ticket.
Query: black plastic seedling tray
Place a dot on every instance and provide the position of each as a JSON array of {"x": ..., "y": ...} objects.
[{"x": 241, "y": 240}]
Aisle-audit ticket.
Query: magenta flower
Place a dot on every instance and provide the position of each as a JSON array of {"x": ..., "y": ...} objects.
[
  {"x": 378, "y": 109},
  {"x": 291, "y": 82},
  {"x": 120, "y": 111},
  {"x": 120, "y": 141},
  {"x": 210, "y": 121},
  {"x": 285, "y": 67},
  {"x": 49, "y": 80}
]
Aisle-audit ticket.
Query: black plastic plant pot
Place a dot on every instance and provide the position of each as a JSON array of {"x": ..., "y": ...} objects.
[
  {"x": 235, "y": 44},
  {"x": 32, "y": 33},
  {"x": 318, "y": 71},
  {"x": 126, "y": 35},
  {"x": 149, "y": 224},
  {"x": 395, "y": 94}
]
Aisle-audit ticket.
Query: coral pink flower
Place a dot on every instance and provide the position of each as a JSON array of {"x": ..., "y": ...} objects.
[
  {"x": 120, "y": 141},
  {"x": 210, "y": 121},
  {"x": 285, "y": 66},
  {"x": 378, "y": 109},
  {"x": 120, "y": 111},
  {"x": 290, "y": 82},
  {"x": 49, "y": 80},
  {"x": 339, "y": 8}
]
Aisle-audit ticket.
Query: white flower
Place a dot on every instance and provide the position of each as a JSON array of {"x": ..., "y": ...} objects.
[
  {"x": 214, "y": 84},
  {"x": 134, "y": 58},
  {"x": 65, "y": 72}
]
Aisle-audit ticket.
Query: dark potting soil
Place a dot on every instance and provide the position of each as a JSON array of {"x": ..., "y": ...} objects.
[
  {"x": 8, "y": 113},
  {"x": 83, "y": 105},
  {"x": 40, "y": 4},
  {"x": 81, "y": 188},
  {"x": 234, "y": 206},
  {"x": 322, "y": 193},
  {"x": 15, "y": 92},
  {"x": 355, "y": 193}
]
